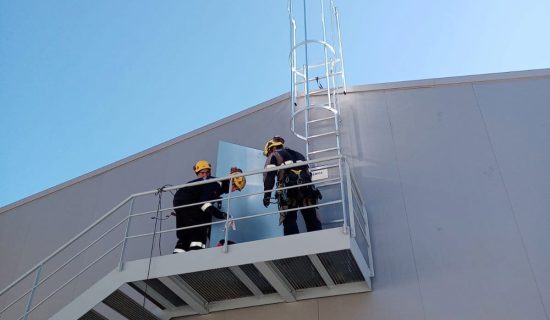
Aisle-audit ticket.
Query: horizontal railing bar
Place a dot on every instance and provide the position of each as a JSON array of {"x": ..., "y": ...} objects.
[
  {"x": 135, "y": 195},
  {"x": 64, "y": 264},
  {"x": 244, "y": 174},
  {"x": 155, "y": 191},
  {"x": 232, "y": 197},
  {"x": 14, "y": 302},
  {"x": 356, "y": 186},
  {"x": 86, "y": 248},
  {"x": 196, "y": 226},
  {"x": 236, "y": 219}
]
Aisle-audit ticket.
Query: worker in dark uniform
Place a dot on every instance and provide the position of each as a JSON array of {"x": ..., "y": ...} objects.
[
  {"x": 196, "y": 238},
  {"x": 297, "y": 197}
]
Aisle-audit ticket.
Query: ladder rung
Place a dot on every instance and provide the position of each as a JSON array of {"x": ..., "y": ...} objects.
[
  {"x": 324, "y": 150},
  {"x": 322, "y": 119},
  {"x": 315, "y": 79},
  {"x": 333, "y": 91},
  {"x": 321, "y": 105},
  {"x": 322, "y": 135}
]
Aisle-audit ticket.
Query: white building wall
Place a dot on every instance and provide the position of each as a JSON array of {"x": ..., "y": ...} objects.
[
  {"x": 446, "y": 169},
  {"x": 456, "y": 176}
]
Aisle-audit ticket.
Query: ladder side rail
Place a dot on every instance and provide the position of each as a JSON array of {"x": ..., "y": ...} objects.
[
  {"x": 341, "y": 50},
  {"x": 327, "y": 73},
  {"x": 293, "y": 75},
  {"x": 306, "y": 88}
]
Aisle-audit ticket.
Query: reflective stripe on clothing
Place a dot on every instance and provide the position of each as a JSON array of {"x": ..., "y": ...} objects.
[
  {"x": 197, "y": 244},
  {"x": 206, "y": 206}
]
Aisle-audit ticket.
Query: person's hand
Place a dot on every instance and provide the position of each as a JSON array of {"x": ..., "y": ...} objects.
[
  {"x": 230, "y": 223},
  {"x": 266, "y": 201}
]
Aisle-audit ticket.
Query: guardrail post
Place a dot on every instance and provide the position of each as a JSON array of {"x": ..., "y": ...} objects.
[
  {"x": 345, "y": 228},
  {"x": 31, "y": 295},
  {"x": 226, "y": 232},
  {"x": 350, "y": 201},
  {"x": 123, "y": 250}
]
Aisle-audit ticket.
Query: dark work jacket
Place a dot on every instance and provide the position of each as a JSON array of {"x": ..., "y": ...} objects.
[
  {"x": 200, "y": 193},
  {"x": 277, "y": 158}
]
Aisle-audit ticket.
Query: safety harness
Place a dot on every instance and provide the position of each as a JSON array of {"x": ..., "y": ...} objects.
[{"x": 306, "y": 195}]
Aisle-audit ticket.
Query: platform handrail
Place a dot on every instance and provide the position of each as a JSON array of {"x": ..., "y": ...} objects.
[{"x": 338, "y": 180}]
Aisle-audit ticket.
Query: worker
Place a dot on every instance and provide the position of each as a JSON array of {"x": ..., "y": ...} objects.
[
  {"x": 207, "y": 195},
  {"x": 291, "y": 198}
]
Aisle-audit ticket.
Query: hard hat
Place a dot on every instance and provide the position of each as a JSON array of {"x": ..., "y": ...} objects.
[
  {"x": 239, "y": 182},
  {"x": 200, "y": 165},
  {"x": 273, "y": 142}
]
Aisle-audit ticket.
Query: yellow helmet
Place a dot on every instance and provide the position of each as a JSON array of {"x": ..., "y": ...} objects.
[
  {"x": 200, "y": 165},
  {"x": 273, "y": 142},
  {"x": 239, "y": 182}
]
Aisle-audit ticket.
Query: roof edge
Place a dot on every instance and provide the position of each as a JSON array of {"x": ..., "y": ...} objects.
[
  {"x": 427, "y": 83},
  {"x": 146, "y": 152},
  {"x": 412, "y": 84}
]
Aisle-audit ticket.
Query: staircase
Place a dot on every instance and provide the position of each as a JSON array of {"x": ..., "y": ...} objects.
[
  {"x": 104, "y": 279},
  {"x": 107, "y": 279}
]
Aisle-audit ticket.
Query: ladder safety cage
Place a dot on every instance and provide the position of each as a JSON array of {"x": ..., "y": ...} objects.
[
  {"x": 342, "y": 198},
  {"x": 317, "y": 76}
]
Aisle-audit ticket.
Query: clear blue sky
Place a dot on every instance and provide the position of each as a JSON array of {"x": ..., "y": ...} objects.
[{"x": 87, "y": 83}]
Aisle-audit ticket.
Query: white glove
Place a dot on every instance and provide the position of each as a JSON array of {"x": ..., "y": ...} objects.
[{"x": 230, "y": 223}]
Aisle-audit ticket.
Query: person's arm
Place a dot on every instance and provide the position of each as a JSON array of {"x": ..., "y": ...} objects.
[
  {"x": 210, "y": 209},
  {"x": 269, "y": 179}
]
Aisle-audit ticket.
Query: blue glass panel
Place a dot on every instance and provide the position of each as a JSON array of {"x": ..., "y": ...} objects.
[{"x": 247, "y": 159}]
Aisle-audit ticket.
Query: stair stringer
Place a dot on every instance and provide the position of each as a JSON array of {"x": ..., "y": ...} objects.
[{"x": 243, "y": 253}]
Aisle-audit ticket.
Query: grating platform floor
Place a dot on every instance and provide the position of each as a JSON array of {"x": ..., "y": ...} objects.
[{"x": 285, "y": 269}]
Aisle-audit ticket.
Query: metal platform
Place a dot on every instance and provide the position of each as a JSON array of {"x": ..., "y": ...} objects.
[
  {"x": 283, "y": 269},
  {"x": 86, "y": 279}
]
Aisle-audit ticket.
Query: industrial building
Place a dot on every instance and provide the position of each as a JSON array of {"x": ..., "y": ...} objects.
[{"x": 436, "y": 201}]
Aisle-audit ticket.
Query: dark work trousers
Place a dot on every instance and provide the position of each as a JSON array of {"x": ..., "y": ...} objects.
[
  {"x": 310, "y": 218},
  {"x": 186, "y": 218}
]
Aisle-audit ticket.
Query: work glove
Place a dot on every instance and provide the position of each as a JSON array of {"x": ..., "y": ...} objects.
[
  {"x": 318, "y": 194},
  {"x": 230, "y": 223},
  {"x": 267, "y": 201}
]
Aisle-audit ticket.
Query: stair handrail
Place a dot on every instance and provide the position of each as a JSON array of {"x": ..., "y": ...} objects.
[
  {"x": 135, "y": 195},
  {"x": 348, "y": 221},
  {"x": 354, "y": 193}
]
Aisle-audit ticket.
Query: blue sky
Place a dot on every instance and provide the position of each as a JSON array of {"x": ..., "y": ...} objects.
[{"x": 87, "y": 83}]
